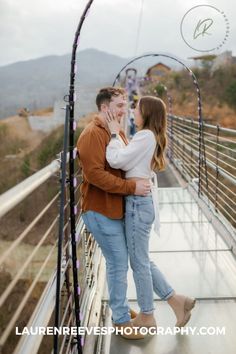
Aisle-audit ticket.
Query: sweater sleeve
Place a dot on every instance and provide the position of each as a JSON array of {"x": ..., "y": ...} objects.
[
  {"x": 127, "y": 157},
  {"x": 92, "y": 154}
]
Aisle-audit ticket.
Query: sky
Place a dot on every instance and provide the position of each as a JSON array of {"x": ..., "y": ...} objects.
[{"x": 32, "y": 29}]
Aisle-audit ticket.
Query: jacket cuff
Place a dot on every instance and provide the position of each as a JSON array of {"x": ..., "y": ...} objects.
[{"x": 131, "y": 186}]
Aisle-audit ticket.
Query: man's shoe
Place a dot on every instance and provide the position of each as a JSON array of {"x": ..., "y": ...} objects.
[
  {"x": 133, "y": 314},
  {"x": 132, "y": 333},
  {"x": 143, "y": 320}
]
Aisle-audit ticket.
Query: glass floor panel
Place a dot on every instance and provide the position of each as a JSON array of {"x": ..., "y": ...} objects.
[
  {"x": 196, "y": 262},
  {"x": 186, "y": 236},
  {"x": 208, "y": 314},
  {"x": 182, "y": 212},
  {"x": 199, "y": 274},
  {"x": 175, "y": 195}
]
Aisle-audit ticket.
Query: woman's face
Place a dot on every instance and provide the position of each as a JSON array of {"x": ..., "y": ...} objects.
[{"x": 138, "y": 119}]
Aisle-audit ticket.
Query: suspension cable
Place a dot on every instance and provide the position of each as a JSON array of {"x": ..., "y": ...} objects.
[
  {"x": 71, "y": 98},
  {"x": 139, "y": 27}
]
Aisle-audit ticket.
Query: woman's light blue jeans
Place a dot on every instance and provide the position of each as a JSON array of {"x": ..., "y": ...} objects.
[
  {"x": 139, "y": 217},
  {"x": 110, "y": 235}
]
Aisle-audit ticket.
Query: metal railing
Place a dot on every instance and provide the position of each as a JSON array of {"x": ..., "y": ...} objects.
[
  {"x": 28, "y": 265},
  {"x": 28, "y": 261},
  {"x": 215, "y": 169}
]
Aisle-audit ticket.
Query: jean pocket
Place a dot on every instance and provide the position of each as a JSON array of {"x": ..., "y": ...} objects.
[
  {"x": 145, "y": 213},
  {"x": 129, "y": 206}
]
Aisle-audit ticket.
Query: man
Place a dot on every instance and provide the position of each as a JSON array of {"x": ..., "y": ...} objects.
[{"x": 102, "y": 204}]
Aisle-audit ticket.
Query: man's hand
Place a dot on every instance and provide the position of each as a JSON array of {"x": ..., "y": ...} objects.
[{"x": 143, "y": 187}]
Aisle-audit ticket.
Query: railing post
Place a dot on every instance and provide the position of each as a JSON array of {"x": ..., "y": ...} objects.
[
  {"x": 171, "y": 138},
  {"x": 200, "y": 132},
  {"x": 61, "y": 230},
  {"x": 191, "y": 153},
  {"x": 183, "y": 150},
  {"x": 217, "y": 167}
]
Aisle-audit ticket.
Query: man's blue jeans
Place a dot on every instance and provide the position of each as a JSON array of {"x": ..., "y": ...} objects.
[
  {"x": 147, "y": 277},
  {"x": 110, "y": 235}
]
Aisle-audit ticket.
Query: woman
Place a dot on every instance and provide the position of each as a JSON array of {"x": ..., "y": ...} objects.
[{"x": 140, "y": 158}]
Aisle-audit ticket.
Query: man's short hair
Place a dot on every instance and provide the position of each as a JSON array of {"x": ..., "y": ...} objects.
[{"x": 105, "y": 95}]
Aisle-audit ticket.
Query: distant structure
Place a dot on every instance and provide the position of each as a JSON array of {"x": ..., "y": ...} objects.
[
  {"x": 157, "y": 71},
  {"x": 223, "y": 59},
  {"x": 48, "y": 122},
  {"x": 214, "y": 62},
  {"x": 23, "y": 112}
]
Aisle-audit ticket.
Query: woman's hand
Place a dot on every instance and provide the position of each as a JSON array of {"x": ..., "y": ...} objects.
[{"x": 112, "y": 122}]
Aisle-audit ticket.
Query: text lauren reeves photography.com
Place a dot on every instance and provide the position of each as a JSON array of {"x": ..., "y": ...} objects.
[{"x": 204, "y": 331}]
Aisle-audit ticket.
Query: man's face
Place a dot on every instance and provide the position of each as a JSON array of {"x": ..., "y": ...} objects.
[{"x": 118, "y": 105}]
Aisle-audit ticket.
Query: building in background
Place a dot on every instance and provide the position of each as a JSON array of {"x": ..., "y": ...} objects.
[{"x": 157, "y": 71}]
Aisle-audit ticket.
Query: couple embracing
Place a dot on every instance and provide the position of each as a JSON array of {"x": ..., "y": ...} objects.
[{"x": 118, "y": 206}]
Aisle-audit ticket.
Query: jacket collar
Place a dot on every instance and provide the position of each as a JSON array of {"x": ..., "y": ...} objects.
[{"x": 97, "y": 121}]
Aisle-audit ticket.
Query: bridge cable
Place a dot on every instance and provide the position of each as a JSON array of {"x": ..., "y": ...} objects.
[
  {"x": 139, "y": 27},
  {"x": 72, "y": 184}
]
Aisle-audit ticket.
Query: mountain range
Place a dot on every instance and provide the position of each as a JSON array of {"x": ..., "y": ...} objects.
[{"x": 38, "y": 83}]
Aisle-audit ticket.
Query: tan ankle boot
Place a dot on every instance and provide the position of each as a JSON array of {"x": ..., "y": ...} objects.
[
  {"x": 132, "y": 333},
  {"x": 133, "y": 314},
  {"x": 143, "y": 320},
  {"x": 182, "y": 306}
]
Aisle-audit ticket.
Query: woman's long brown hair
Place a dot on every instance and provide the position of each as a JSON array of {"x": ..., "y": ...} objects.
[{"x": 153, "y": 111}]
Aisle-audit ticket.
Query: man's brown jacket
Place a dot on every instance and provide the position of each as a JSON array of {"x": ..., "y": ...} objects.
[{"x": 103, "y": 187}]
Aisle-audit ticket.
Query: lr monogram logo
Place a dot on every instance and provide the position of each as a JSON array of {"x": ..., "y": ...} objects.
[{"x": 204, "y": 28}]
